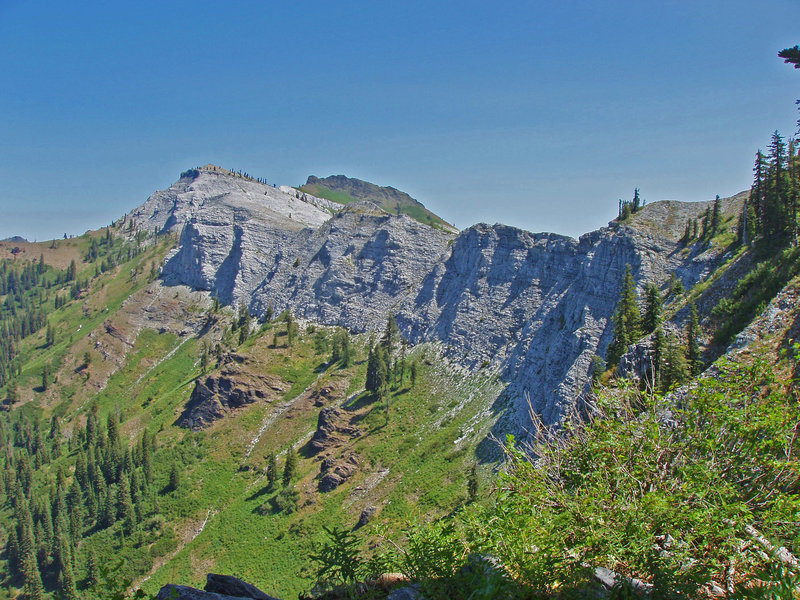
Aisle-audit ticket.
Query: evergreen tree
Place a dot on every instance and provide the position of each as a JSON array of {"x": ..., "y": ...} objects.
[
  {"x": 291, "y": 327},
  {"x": 125, "y": 509},
  {"x": 693, "y": 346},
  {"x": 654, "y": 306},
  {"x": 657, "y": 357},
  {"x": 147, "y": 458},
  {"x": 626, "y": 319},
  {"x": 174, "y": 477},
  {"x": 92, "y": 569},
  {"x": 390, "y": 336},
  {"x": 377, "y": 369},
  {"x": 109, "y": 513},
  {"x": 705, "y": 223},
  {"x": 675, "y": 369},
  {"x": 272, "y": 470},
  {"x": 716, "y": 217},
  {"x": 472, "y": 484},
  {"x": 791, "y": 56},
  {"x": 30, "y": 567},
  {"x": 290, "y": 467}
]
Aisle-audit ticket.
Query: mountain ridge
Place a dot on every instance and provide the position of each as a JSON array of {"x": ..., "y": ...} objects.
[{"x": 542, "y": 301}]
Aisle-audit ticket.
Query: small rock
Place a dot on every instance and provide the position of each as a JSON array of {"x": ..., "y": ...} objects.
[
  {"x": 410, "y": 592},
  {"x": 233, "y": 586},
  {"x": 366, "y": 516},
  {"x": 183, "y": 592}
]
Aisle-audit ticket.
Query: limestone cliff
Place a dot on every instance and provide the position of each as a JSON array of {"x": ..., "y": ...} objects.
[{"x": 534, "y": 307}]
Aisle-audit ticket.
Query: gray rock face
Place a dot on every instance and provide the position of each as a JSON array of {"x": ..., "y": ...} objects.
[
  {"x": 227, "y": 584},
  {"x": 329, "y": 424},
  {"x": 536, "y": 307},
  {"x": 218, "y": 587},
  {"x": 218, "y": 395},
  {"x": 334, "y": 473}
]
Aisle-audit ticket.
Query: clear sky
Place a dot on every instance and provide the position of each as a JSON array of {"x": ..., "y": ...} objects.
[{"x": 536, "y": 114}]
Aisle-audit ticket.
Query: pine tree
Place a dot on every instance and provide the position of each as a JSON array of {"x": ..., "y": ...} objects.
[
  {"x": 377, "y": 369},
  {"x": 290, "y": 468},
  {"x": 626, "y": 319},
  {"x": 390, "y": 335},
  {"x": 654, "y": 306},
  {"x": 174, "y": 477},
  {"x": 675, "y": 369},
  {"x": 92, "y": 569},
  {"x": 472, "y": 484},
  {"x": 716, "y": 217},
  {"x": 272, "y": 470},
  {"x": 693, "y": 345},
  {"x": 30, "y": 567},
  {"x": 705, "y": 222},
  {"x": 125, "y": 509},
  {"x": 657, "y": 357}
]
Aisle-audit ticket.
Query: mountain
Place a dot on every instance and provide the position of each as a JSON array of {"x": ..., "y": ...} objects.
[
  {"x": 345, "y": 190},
  {"x": 155, "y": 371},
  {"x": 533, "y": 308}
]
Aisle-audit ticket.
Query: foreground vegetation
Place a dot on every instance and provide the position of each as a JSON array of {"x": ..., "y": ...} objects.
[{"x": 677, "y": 496}]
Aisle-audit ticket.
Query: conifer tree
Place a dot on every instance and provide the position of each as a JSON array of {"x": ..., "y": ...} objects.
[
  {"x": 675, "y": 368},
  {"x": 290, "y": 467},
  {"x": 174, "y": 477},
  {"x": 377, "y": 369},
  {"x": 653, "y": 308},
  {"x": 716, "y": 217},
  {"x": 626, "y": 319},
  {"x": 472, "y": 484},
  {"x": 92, "y": 569},
  {"x": 272, "y": 470},
  {"x": 693, "y": 346},
  {"x": 125, "y": 509},
  {"x": 30, "y": 567}
]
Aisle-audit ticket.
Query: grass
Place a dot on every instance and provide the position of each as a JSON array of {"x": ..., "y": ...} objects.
[{"x": 222, "y": 467}]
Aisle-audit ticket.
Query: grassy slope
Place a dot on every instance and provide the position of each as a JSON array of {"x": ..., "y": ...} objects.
[
  {"x": 416, "y": 477},
  {"x": 414, "y": 210},
  {"x": 414, "y": 450}
]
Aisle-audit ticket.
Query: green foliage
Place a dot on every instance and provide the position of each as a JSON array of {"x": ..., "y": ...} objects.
[
  {"x": 654, "y": 308},
  {"x": 666, "y": 501},
  {"x": 342, "y": 351},
  {"x": 626, "y": 319},
  {"x": 750, "y": 296},
  {"x": 289, "y": 467},
  {"x": 338, "y": 559},
  {"x": 285, "y": 501},
  {"x": 693, "y": 345}
]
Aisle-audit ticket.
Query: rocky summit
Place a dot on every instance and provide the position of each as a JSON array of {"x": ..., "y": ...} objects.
[{"x": 533, "y": 307}]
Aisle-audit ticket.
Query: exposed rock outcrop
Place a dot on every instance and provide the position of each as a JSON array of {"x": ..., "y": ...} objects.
[
  {"x": 534, "y": 307},
  {"x": 218, "y": 587},
  {"x": 331, "y": 427},
  {"x": 334, "y": 473},
  {"x": 218, "y": 395}
]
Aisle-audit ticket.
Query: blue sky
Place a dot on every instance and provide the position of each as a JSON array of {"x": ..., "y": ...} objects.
[{"x": 536, "y": 114}]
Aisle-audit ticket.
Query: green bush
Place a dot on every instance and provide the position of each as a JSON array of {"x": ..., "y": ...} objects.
[{"x": 656, "y": 489}]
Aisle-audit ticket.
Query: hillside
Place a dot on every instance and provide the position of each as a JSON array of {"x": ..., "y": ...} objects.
[
  {"x": 543, "y": 302},
  {"x": 161, "y": 373},
  {"x": 345, "y": 190}
]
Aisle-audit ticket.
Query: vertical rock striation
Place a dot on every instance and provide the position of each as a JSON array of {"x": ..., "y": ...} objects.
[{"x": 535, "y": 307}]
